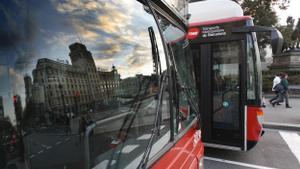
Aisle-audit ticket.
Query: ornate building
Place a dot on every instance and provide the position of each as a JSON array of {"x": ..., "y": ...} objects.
[{"x": 64, "y": 88}]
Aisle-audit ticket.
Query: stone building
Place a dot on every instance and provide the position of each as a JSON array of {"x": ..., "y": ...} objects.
[
  {"x": 138, "y": 85},
  {"x": 286, "y": 61},
  {"x": 28, "y": 88},
  {"x": 77, "y": 87}
]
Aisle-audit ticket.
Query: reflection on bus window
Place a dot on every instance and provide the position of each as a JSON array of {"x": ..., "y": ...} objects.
[
  {"x": 250, "y": 69},
  {"x": 80, "y": 83},
  {"x": 185, "y": 86},
  {"x": 225, "y": 60}
]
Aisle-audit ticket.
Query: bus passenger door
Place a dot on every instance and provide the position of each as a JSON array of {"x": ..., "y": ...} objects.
[{"x": 221, "y": 91}]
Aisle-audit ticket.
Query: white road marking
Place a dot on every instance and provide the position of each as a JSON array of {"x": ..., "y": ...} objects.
[
  {"x": 128, "y": 148},
  {"x": 49, "y": 147},
  {"x": 32, "y": 156},
  {"x": 104, "y": 164},
  {"x": 292, "y": 139},
  {"x": 237, "y": 163},
  {"x": 113, "y": 118},
  {"x": 59, "y": 142},
  {"x": 40, "y": 152},
  {"x": 144, "y": 137},
  {"x": 155, "y": 148},
  {"x": 67, "y": 139},
  {"x": 161, "y": 127}
]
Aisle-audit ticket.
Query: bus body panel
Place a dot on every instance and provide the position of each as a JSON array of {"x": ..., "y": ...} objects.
[
  {"x": 186, "y": 153},
  {"x": 254, "y": 127}
]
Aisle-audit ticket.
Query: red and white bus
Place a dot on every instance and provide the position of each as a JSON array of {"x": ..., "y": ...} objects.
[
  {"x": 99, "y": 84},
  {"x": 228, "y": 71}
]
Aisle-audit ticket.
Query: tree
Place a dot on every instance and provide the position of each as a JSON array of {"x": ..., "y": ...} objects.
[
  {"x": 287, "y": 31},
  {"x": 263, "y": 14}
]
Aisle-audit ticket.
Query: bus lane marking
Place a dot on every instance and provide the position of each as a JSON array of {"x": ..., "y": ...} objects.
[
  {"x": 129, "y": 148},
  {"x": 237, "y": 163},
  {"x": 104, "y": 164},
  {"x": 144, "y": 137},
  {"x": 156, "y": 146},
  {"x": 292, "y": 139}
]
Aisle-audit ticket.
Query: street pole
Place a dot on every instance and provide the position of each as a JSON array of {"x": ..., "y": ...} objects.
[{"x": 62, "y": 97}]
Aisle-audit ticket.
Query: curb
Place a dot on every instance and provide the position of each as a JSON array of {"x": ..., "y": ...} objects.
[
  {"x": 281, "y": 126},
  {"x": 268, "y": 96}
]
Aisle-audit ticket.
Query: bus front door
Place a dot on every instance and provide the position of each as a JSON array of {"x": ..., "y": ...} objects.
[{"x": 219, "y": 83}]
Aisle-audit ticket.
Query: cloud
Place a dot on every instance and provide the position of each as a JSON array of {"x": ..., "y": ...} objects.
[
  {"x": 92, "y": 36},
  {"x": 61, "y": 39},
  {"x": 16, "y": 81},
  {"x": 14, "y": 32},
  {"x": 112, "y": 30}
]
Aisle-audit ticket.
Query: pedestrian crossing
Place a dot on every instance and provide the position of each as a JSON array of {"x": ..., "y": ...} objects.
[
  {"x": 292, "y": 139},
  {"x": 130, "y": 153}
]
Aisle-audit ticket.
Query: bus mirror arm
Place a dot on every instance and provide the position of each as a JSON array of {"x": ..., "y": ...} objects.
[
  {"x": 276, "y": 36},
  {"x": 249, "y": 29}
]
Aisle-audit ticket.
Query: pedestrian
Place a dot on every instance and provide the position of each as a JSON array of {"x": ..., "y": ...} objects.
[
  {"x": 82, "y": 127},
  {"x": 282, "y": 89},
  {"x": 276, "y": 80},
  {"x": 285, "y": 94}
]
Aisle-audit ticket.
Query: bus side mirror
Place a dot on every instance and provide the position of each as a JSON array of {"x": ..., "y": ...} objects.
[
  {"x": 276, "y": 36},
  {"x": 276, "y": 41}
]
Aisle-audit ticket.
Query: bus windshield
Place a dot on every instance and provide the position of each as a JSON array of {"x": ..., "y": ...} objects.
[{"x": 80, "y": 83}]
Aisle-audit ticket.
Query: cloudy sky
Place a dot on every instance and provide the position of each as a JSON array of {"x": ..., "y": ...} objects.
[
  {"x": 293, "y": 10},
  {"x": 115, "y": 31}
]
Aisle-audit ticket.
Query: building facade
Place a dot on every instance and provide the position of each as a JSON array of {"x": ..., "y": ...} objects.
[{"x": 71, "y": 88}]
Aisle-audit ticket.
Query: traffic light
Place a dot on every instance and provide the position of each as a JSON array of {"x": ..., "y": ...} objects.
[{"x": 15, "y": 99}]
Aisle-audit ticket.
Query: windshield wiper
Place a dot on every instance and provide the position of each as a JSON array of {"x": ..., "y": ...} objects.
[
  {"x": 155, "y": 52},
  {"x": 157, "y": 122},
  {"x": 156, "y": 129}
]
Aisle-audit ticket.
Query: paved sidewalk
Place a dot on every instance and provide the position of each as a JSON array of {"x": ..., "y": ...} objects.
[{"x": 280, "y": 114}]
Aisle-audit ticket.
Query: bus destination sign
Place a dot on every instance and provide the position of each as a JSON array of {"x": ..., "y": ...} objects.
[{"x": 211, "y": 31}]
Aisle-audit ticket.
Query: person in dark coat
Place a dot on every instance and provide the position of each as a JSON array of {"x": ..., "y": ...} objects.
[
  {"x": 285, "y": 93},
  {"x": 283, "y": 88}
]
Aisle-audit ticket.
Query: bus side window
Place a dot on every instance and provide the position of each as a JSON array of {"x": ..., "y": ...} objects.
[{"x": 251, "y": 88}]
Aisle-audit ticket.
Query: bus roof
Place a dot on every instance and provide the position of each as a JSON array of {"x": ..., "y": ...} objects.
[{"x": 215, "y": 11}]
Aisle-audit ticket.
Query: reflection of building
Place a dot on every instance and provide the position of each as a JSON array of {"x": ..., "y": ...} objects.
[
  {"x": 1, "y": 109},
  {"x": 138, "y": 85},
  {"x": 61, "y": 87},
  {"x": 28, "y": 87}
]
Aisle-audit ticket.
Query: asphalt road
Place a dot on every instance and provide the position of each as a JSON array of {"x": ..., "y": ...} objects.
[{"x": 272, "y": 152}]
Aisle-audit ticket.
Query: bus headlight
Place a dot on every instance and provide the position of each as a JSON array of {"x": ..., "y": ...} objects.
[{"x": 260, "y": 116}]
